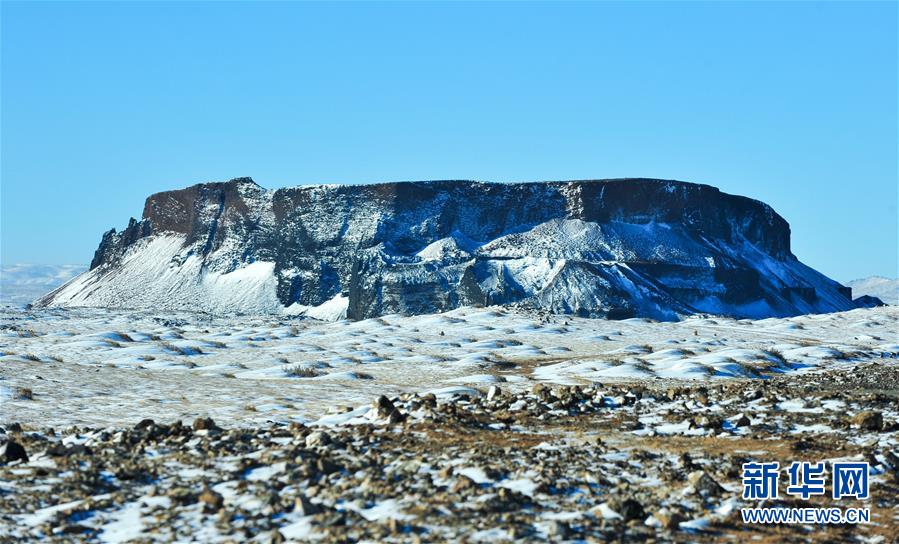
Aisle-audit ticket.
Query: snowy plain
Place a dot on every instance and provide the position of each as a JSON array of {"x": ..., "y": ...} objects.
[{"x": 103, "y": 367}]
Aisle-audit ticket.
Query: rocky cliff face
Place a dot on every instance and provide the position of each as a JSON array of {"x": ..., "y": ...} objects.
[{"x": 604, "y": 248}]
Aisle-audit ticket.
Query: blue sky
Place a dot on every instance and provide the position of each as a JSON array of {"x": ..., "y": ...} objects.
[{"x": 794, "y": 104}]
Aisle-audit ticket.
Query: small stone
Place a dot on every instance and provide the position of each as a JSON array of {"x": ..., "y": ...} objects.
[
  {"x": 892, "y": 461},
  {"x": 326, "y": 467},
  {"x": 557, "y": 529},
  {"x": 317, "y": 438},
  {"x": 182, "y": 496},
  {"x": 704, "y": 484},
  {"x": 707, "y": 422},
  {"x": 516, "y": 533},
  {"x": 383, "y": 407},
  {"x": 73, "y": 529},
  {"x": 396, "y": 417},
  {"x": 669, "y": 520},
  {"x": 204, "y": 423},
  {"x": 58, "y": 450},
  {"x": 702, "y": 396},
  {"x": 22, "y": 393},
  {"x": 78, "y": 449},
  {"x": 742, "y": 421},
  {"x": 463, "y": 483},
  {"x": 540, "y": 390},
  {"x": 304, "y": 507},
  {"x": 211, "y": 500},
  {"x": 11, "y": 451},
  {"x": 686, "y": 461},
  {"x": 144, "y": 424},
  {"x": 868, "y": 421},
  {"x": 493, "y": 392},
  {"x": 508, "y": 496},
  {"x": 629, "y": 509}
]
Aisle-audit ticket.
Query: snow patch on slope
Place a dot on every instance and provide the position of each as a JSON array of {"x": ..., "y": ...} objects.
[
  {"x": 441, "y": 250},
  {"x": 159, "y": 272},
  {"x": 332, "y": 310}
]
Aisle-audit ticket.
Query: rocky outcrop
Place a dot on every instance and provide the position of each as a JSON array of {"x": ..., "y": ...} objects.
[{"x": 605, "y": 248}]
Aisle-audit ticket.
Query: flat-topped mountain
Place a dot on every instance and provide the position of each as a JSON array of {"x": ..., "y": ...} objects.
[{"x": 605, "y": 248}]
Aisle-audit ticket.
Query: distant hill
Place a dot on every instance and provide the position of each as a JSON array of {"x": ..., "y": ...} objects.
[
  {"x": 22, "y": 283},
  {"x": 885, "y": 289}
]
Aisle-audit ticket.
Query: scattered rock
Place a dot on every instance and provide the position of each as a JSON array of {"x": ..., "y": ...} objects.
[
  {"x": 326, "y": 466},
  {"x": 629, "y": 508},
  {"x": 742, "y": 421},
  {"x": 211, "y": 500},
  {"x": 61, "y": 450},
  {"x": 706, "y": 421},
  {"x": 493, "y": 392},
  {"x": 182, "y": 496},
  {"x": 304, "y": 507},
  {"x": 558, "y": 530},
  {"x": 22, "y": 393},
  {"x": 317, "y": 438},
  {"x": 144, "y": 424},
  {"x": 704, "y": 484},
  {"x": 11, "y": 451},
  {"x": 868, "y": 420},
  {"x": 669, "y": 520},
  {"x": 541, "y": 390},
  {"x": 383, "y": 407},
  {"x": 463, "y": 483},
  {"x": 567, "y": 453},
  {"x": 204, "y": 424}
]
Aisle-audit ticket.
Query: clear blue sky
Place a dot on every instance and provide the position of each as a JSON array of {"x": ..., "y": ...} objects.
[{"x": 793, "y": 104}]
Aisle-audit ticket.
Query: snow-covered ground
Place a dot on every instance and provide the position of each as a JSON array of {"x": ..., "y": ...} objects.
[
  {"x": 647, "y": 447},
  {"x": 102, "y": 367}
]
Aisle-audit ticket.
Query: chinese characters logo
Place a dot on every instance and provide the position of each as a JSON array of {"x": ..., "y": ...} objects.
[{"x": 849, "y": 480}]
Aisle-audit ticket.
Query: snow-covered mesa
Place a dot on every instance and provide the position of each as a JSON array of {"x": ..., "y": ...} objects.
[{"x": 602, "y": 248}]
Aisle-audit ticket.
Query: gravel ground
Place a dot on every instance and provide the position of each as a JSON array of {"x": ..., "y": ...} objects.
[{"x": 607, "y": 462}]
